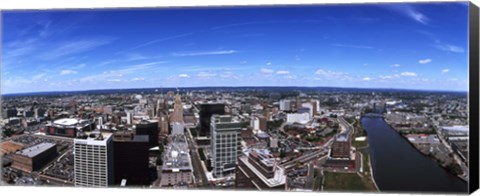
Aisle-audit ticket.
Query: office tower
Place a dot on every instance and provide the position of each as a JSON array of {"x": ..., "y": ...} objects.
[
  {"x": 100, "y": 121},
  {"x": 225, "y": 144},
  {"x": 285, "y": 105},
  {"x": 177, "y": 115},
  {"x": 340, "y": 154},
  {"x": 129, "y": 118},
  {"x": 263, "y": 123},
  {"x": 163, "y": 123},
  {"x": 314, "y": 107},
  {"x": 206, "y": 112},
  {"x": 298, "y": 103},
  {"x": 93, "y": 160},
  {"x": 341, "y": 147},
  {"x": 150, "y": 128},
  {"x": 12, "y": 112},
  {"x": 266, "y": 112},
  {"x": 130, "y": 158},
  {"x": 255, "y": 123}
]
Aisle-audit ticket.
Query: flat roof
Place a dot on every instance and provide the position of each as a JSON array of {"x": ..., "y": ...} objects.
[
  {"x": 458, "y": 128},
  {"x": 35, "y": 150},
  {"x": 96, "y": 140},
  {"x": 176, "y": 155},
  {"x": 66, "y": 122}
]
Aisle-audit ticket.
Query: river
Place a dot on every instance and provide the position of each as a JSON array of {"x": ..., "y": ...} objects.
[{"x": 399, "y": 167}]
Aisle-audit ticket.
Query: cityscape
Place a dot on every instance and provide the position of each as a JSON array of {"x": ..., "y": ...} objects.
[{"x": 300, "y": 99}]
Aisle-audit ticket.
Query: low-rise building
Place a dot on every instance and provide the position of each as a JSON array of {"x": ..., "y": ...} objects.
[{"x": 35, "y": 157}]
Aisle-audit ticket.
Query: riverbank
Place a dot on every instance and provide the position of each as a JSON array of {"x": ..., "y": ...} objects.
[
  {"x": 362, "y": 147},
  {"x": 399, "y": 167},
  {"x": 446, "y": 167}
]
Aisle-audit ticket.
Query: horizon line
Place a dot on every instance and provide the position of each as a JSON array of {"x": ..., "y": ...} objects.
[{"x": 372, "y": 88}]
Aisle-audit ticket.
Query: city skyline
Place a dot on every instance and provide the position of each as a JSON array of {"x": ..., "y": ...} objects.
[{"x": 386, "y": 45}]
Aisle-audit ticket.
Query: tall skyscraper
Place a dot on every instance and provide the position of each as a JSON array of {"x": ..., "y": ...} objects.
[
  {"x": 150, "y": 128},
  {"x": 298, "y": 103},
  {"x": 225, "y": 144},
  {"x": 206, "y": 112},
  {"x": 131, "y": 158},
  {"x": 314, "y": 107},
  {"x": 93, "y": 160},
  {"x": 129, "y": 118},
  {"x": 177, "y": 110}
]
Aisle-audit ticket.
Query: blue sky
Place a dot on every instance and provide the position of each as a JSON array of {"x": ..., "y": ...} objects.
[{"x": 408, "y": 46}]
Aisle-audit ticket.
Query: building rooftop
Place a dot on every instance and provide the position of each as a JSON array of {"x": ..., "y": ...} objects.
[
  {"x": 35, "y": 150},
  {"x": 66, "y": 122},
  {"x": 263, "y": 156},
  {"x": 95, "y": 135},
  {"x": 279, "y": 177},
  {"x": 456, "y": 128},
  {"x": 342, "y": 137},
  {"x": 176, "y": 155}
]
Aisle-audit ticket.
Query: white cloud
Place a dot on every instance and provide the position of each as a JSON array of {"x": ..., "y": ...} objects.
[
  {"x": 183, "y": 76},
  {"x": 282, "y": 72},
  {"x": 206, "y": 74},
  {"x": 138, "y": 79},
  {"x": 424, "y": 61},
  {"x": 269, "y": 63},
  {"x": 117, "y": 72},
  {"x": 417, "y": 16},
  {"x": 388, "y": 77},
  {"x": 395, "y": 65},
  {"x": 266, "y": 71},
  {"x": 229, "y": 74},
  {"x": 68, "y": 72},
  {"x": 408, "y": 74},
  {"x": 218, "y": 52},
  {"x": 366, "y": 79},
  {"x": 161, "y": 40},
  {"x": 290, "y": 77},
  {"x": 39, "y": 76},
  {"x": 329, "y": 73},
  {"x": 114, "y": 80},
  {"x": 444, "y": 71},
  {"x": 73, "y": 47},
  {"x": 448, "y": 47}
]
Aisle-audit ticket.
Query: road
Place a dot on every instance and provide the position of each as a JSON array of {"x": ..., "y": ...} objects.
[
  {"x": 201, "y": 179},
  {"x": 456, "y": 157},
  {"x": 322, "y": 150},
  {"x": 345, "y": 124}
]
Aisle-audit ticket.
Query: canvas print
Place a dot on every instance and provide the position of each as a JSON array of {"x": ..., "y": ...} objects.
[{"x": 312, "y": 98}]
